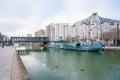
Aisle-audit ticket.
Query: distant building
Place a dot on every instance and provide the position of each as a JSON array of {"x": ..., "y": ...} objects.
[
  {"x": 50, "y": 31},
  {"x": 40, "y": 33},
  {"x": 5, "y": 38},
  {"x": 58, "y": 31},
  {"x": 1, "y": 38},
  {"x": 94, "y": 26},
  {"x": 29, "y": 35}
]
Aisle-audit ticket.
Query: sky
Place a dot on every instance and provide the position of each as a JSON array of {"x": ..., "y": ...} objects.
[{"x": 22, "y": 17}]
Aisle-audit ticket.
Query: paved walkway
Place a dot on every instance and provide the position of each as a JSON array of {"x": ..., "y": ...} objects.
[{"x": 6, "y": 55}]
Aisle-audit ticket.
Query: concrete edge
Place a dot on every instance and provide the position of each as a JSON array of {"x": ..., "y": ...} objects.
[
  {"x": 18, "y": 71},
  {"x": 111, "y": 49}
]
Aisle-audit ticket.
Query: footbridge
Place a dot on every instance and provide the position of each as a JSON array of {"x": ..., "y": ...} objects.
[{"x": 30, "y": 39}]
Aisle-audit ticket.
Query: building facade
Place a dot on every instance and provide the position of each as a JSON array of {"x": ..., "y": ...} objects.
[
  {"x": 58, "y": 31},
  {"x": 94, "y": 26},
  {"x": 4, "y": 39},
  {"x": 50, "y": 31}
]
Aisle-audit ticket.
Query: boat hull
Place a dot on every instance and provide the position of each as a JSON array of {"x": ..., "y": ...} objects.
[{"x": 72, "y": 46}]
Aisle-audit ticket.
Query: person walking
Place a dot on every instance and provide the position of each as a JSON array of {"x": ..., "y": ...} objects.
[{"x": 3, "y": 45}]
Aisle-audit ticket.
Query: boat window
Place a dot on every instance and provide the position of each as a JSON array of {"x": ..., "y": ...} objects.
[{"x": 78, "y": 44}]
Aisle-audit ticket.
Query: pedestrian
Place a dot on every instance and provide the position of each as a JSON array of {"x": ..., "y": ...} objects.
[{"x": 2, "y": 45}]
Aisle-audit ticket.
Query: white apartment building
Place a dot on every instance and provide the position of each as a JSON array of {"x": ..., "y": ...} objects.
[
  {"x": 50, "y": 31},
  {"x": 58, "y": 31},
  {"x": 94, "y": 26}
]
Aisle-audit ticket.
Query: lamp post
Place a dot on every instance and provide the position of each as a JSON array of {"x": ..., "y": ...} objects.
[
  {"x": 117, "y": 31},
  {"x": 117, "y": 34}
]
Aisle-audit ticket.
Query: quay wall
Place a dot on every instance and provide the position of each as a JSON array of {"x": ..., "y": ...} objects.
[
  {"x": 19, "y": 71},
  {"x": 117, "y": 48}
]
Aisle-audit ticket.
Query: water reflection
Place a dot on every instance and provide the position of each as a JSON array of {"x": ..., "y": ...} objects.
[
  {"x": 55, "y": 64},
  {"x": 23, "y": 52}
]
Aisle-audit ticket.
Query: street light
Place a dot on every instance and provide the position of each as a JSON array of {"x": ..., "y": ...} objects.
[
  {"x": 118, "y": 34},
  {"x": 117, "y": 31}
]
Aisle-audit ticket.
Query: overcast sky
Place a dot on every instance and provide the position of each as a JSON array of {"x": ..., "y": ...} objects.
[{"x": 20, "y": 17}]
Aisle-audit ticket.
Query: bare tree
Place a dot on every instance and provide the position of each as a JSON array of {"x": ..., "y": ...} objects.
[
  {"x": 77, "y": 37},
  {"x": 106, "y": 36},
  {"x": 68, "y": 38},
  {"x": 113, "y": 33}
]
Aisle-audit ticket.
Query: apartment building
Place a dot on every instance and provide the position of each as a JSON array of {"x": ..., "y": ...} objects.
[
  {"x": 58, "y": 31},
  {"x": 40, "y": 33},
  {"x": 94, "y": 26}
]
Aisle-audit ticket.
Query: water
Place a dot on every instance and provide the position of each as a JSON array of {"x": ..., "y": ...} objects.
[{"x": 55, "y": 64}]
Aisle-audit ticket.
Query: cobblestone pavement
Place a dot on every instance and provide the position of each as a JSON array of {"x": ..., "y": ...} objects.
[{"x": 6, "y": 55}]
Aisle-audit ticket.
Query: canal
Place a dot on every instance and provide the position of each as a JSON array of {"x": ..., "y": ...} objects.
[{"x": 55, "y": 64}]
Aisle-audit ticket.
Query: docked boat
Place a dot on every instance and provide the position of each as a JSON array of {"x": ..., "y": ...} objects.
[
  {"x": 57, "y": 44},
  {"x": 79, "y": 46}
]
